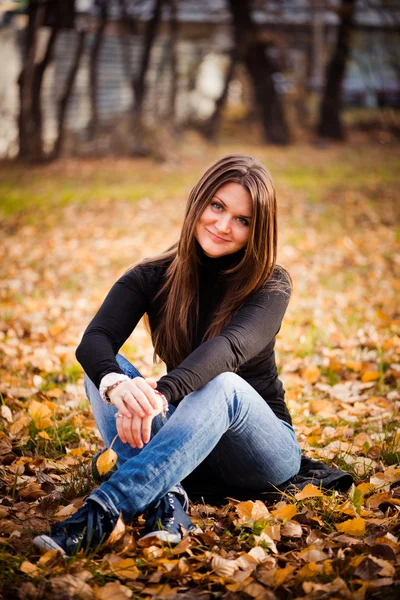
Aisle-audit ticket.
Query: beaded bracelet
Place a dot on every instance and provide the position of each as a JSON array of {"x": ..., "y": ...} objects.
[{"x": 164, "y": 411}]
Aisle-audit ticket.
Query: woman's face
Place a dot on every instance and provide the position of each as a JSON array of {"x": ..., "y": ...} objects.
[{"x": 223, "y": 227}]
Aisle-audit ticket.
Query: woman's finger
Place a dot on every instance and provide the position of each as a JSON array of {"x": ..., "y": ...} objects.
[
  {"x": 120, "y": 428},
  {"x": 126, "y": 425},
  {"x": 146, "y": 385},
  {"x": 121, "y": 407},
  {"x": 133, "y": 405},
  {"x": 146, "y": 428},
  {"x": 144, "y": 394},
  {"x": 136, "y": 433}
]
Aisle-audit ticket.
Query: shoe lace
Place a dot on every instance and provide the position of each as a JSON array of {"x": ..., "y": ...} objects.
[
  {"x": 88, "y": 526},
  {"x": 162, "y": 514}
]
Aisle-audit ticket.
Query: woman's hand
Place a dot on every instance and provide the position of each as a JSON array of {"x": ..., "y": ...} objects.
[
  {"x": 139, "y": 405},
  {"x": 134, "y": 430},
  {"x": 136, "y": 397}
]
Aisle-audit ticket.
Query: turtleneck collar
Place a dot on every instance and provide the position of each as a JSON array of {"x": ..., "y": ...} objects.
[{"x": 221, "y": 263}]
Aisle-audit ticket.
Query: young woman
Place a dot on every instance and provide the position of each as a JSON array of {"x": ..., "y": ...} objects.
[{"x": 215, "y": 303}]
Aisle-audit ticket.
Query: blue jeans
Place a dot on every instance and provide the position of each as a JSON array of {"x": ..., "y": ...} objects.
[{"x": 226, "y": 424}]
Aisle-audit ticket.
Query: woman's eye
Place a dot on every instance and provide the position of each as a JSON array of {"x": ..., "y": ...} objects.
[
  {"x": 216, "y": 205},
  {"x": 243, "y": 221}
]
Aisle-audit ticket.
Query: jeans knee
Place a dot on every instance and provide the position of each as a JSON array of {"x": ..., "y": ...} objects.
[{"x": 227, "y": 380}]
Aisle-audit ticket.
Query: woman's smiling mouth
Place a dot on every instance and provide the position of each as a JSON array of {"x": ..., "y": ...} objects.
[{"x": 216, "y": 238}]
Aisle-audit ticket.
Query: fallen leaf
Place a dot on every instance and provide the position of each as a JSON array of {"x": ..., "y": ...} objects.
[
  {"x": 28, "y": 568},
  {"x": 126, "y": 568},
  {"x": 352, "y": 526},
  {"x": 106, "y": 461},
  {"x": 370, "y": 376},
  {"x": 40, "y": 414},
  {"x": 113, "y": 591},
  {"x": 311, "y": 374},
  {"x": 72, "y": 586},
  {"x": 117, "y": 533},
  {"x": 6, "y": 413},
  {"x": 292, "y": 529},
  {"x": 285, "y": 513},
  {"x": 282, "y": 575},
  {"x": 309, "y": 491}
]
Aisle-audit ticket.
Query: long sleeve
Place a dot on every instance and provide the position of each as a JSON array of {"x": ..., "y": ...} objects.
[
  {"x": 251, "y": 331},
  {"x": 117, "y": 317}
]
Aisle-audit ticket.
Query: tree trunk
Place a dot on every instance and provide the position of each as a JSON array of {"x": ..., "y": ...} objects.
[
  {"x": 30, "y": 134},
  {"x": 213, "y": 124},
  {"x": 65, "y": 98},
  {"x": 93, "y": 70},
  {"x": 139, "y": 82},
  {"x": 261, "y": 69},
  {"x": 330, "y": 124},
  {"x": 174, "y": 31},
  {"x": 127, "y": 25}
]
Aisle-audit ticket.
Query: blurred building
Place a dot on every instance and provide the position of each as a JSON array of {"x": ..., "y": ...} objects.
[{"x": 301, "y": 34}]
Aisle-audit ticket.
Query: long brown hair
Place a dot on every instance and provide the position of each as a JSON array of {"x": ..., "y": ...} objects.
[{"x": 172, "y": 339}]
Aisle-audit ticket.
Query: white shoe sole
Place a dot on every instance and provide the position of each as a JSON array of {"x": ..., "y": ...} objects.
[
  {"x": 44, "y": 542},
  {"x": 163, "y": 536}
]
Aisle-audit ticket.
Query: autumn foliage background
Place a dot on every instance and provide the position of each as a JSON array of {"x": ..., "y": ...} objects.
[{"x": 68, "y": 231}]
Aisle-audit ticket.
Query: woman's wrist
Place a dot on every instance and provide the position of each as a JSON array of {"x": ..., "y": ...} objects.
[
  {"x": 108, "y": 383},
  {"x": 164, "y": 411}
]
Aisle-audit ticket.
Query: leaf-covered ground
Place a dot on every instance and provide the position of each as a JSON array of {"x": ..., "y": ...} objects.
[{"x": 68, "y": 231}]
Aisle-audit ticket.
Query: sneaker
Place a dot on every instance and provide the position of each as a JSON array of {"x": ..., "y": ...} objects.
[
  {"x": 168, "y": 519},
  {"x": 88, "y": 528}
]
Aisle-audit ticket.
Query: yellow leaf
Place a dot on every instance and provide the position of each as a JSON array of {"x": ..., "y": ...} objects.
[
  {"x": 106, "y": 461},
  {"x": 47, "y": 557},
  {"x": 285, "y": 513},
  {"x": 354, "y": 365},
  {"x": 283, "y": 575},
  {"x": 312, "y": 374},
  {"x": 126, "y": 569},
  {"x": 310, "y": 491},
  {"x": 370, "y": 376},
  {"x": 28, "y": 568},
  {"x": 39, "y": 414},
  {"x": 76, "y": 451},
  {"x": 352, "y": 526},
  {"x": 309, "y": 571},
  {"x": 44, "y": 435}
]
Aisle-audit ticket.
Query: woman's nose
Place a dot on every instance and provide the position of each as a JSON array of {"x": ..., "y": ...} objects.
[{"x": 223, "y": 223}]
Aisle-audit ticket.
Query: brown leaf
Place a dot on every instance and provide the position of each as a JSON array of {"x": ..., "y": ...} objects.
[
  {"x": 117, "y": 533},
  {"x": 72, "y": 586},
  {"x": 32, "y": 491},
  {"x": 5, "y": 444},
  {"x": 292, "y": 529},
  {"x": 113, "y": 591}
]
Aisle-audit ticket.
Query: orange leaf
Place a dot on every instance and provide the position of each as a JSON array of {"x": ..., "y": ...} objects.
[
  {"x": 28, "y": 568},
  {"x": 310, "y": 491},
  {"x": 39, "y": 414},
  {"x": 352, "y": 526},
  {"x": 311, "y": 374},
  {"x": 285, "y": 513},
  {"x": 370, "y": 376}
]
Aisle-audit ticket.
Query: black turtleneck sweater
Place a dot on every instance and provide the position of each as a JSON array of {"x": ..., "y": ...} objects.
[{"x": 245, "y": 346}]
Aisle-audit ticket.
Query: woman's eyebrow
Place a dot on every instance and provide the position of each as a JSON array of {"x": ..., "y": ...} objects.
[{"x": 222, "y": 202}]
